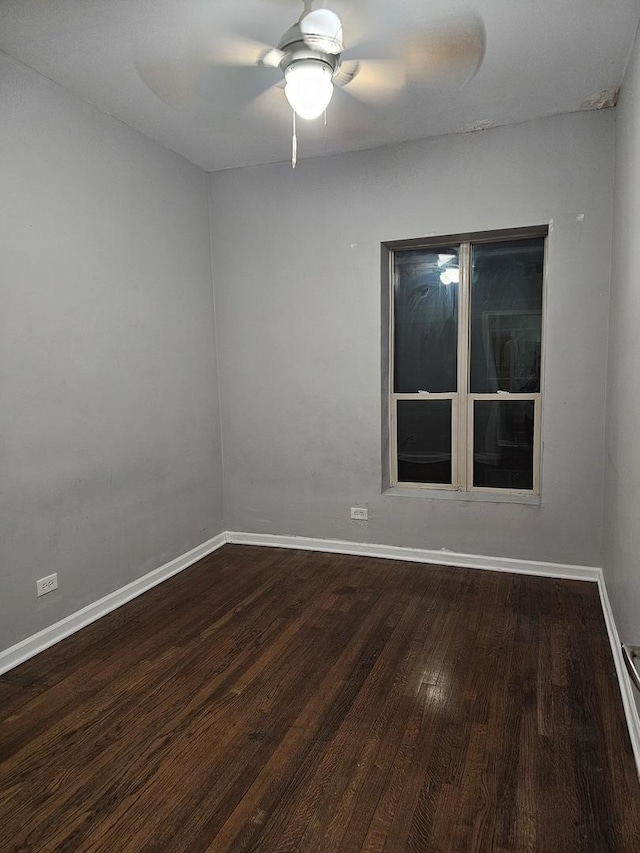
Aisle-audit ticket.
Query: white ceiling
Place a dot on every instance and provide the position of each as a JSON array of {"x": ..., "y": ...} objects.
[{"x": 543, "y": 57}]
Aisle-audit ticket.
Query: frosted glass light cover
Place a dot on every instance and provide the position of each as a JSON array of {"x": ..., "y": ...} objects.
[{"x": 309, "y": 88}]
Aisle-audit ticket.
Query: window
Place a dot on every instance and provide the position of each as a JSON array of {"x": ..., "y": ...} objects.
[{"x": 464, "y": 353}]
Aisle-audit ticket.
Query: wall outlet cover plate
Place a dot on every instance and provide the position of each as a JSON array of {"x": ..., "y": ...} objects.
[{"x": 48, "y": 584}]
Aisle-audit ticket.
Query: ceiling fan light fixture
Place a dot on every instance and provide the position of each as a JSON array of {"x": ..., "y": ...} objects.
[{"x": 309, "y": 87}]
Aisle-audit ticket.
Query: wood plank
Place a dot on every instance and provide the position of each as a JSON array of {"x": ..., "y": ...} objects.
[{"x": 273, "y": 700}]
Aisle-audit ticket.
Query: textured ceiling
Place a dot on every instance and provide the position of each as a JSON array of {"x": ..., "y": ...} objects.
[{"x": 542, "y": 58}]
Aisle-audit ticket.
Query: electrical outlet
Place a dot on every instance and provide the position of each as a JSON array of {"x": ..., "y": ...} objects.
[
  {"x": 48, "y": 584},
  {"x": 360, "y": 513}
]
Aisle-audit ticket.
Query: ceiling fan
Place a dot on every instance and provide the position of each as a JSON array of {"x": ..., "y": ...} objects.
[{"x": 311, "y": 57}]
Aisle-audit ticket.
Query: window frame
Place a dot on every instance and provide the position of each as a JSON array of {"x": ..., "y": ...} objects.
[{"x": 463, "y": 400}]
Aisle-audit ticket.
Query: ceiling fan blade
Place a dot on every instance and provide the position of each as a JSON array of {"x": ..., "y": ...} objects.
[
  {"x": 237, "y": 50},
  {"x": 270, "y": 103},
  {"x": 180, "y": 78},
  {"x": 372, "y": 80},
  {"x": 348, "y": 71},
  {"x": 451, "y": 51},
  {"x": 173, "y": 81}
]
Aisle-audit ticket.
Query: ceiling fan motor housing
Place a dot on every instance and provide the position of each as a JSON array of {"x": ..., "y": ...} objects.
[{"x": 295, "y": 49}]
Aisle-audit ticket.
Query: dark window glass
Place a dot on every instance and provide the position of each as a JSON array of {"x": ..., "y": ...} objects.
[
  {"x": 424, "y": 441},
  {"x": 506, "y": 316},
  {"x": 503, "y": 444},
  {"x": 426, "y": 320}
]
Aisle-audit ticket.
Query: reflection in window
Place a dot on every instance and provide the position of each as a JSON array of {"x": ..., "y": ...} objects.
[
  {"x": 424, "y": 441},
  {"x": 426, "y": 321},
  {"x": 503, "y": 444},
  {"x": 506, "y": 316}
]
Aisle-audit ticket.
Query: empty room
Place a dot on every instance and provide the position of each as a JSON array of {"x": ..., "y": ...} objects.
[{"x": 320, "y": 457}]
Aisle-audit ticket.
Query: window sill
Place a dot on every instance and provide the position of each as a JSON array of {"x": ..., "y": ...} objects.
[{"x": 471, "y": 497}]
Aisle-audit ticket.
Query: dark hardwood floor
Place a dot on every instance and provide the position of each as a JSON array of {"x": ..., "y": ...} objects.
[{"x": 279, "y": 700}]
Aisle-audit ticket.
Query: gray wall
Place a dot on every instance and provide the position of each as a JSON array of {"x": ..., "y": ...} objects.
[
  {"x": 297, "y": 282},
  {"x": 109, "y": 432},
  {"x": 109, "y": 425},
  {"x": 622, "y": 492}
]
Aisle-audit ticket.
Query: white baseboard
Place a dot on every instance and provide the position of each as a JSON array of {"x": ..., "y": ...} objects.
[
  {"x": 419, "y": 555},
  {"x": 474, "y": 561},
  {"x": 26, "y": 649},
  {"x": 15, "y": 655},
  {"x": 624, "y": 682}
]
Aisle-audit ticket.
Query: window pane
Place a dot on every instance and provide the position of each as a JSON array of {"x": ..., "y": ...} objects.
[
  {"x": 426, "y": 320},
  {"x": 506, "y": 316},
  {"x": 503, "y": 444},
  {"x": 424, "y": 441}
]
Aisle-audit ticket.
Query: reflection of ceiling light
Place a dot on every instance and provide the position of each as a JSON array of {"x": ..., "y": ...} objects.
[
  {"x": 450, "y": 276},
  {"x": 445, "y": 259},
  {"x": 309, "y": 87}
]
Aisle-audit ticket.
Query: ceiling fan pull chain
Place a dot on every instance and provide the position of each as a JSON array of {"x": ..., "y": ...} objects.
[
  {"x": 325, "y": 118},
  {"x": 294, "y": 143}
]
